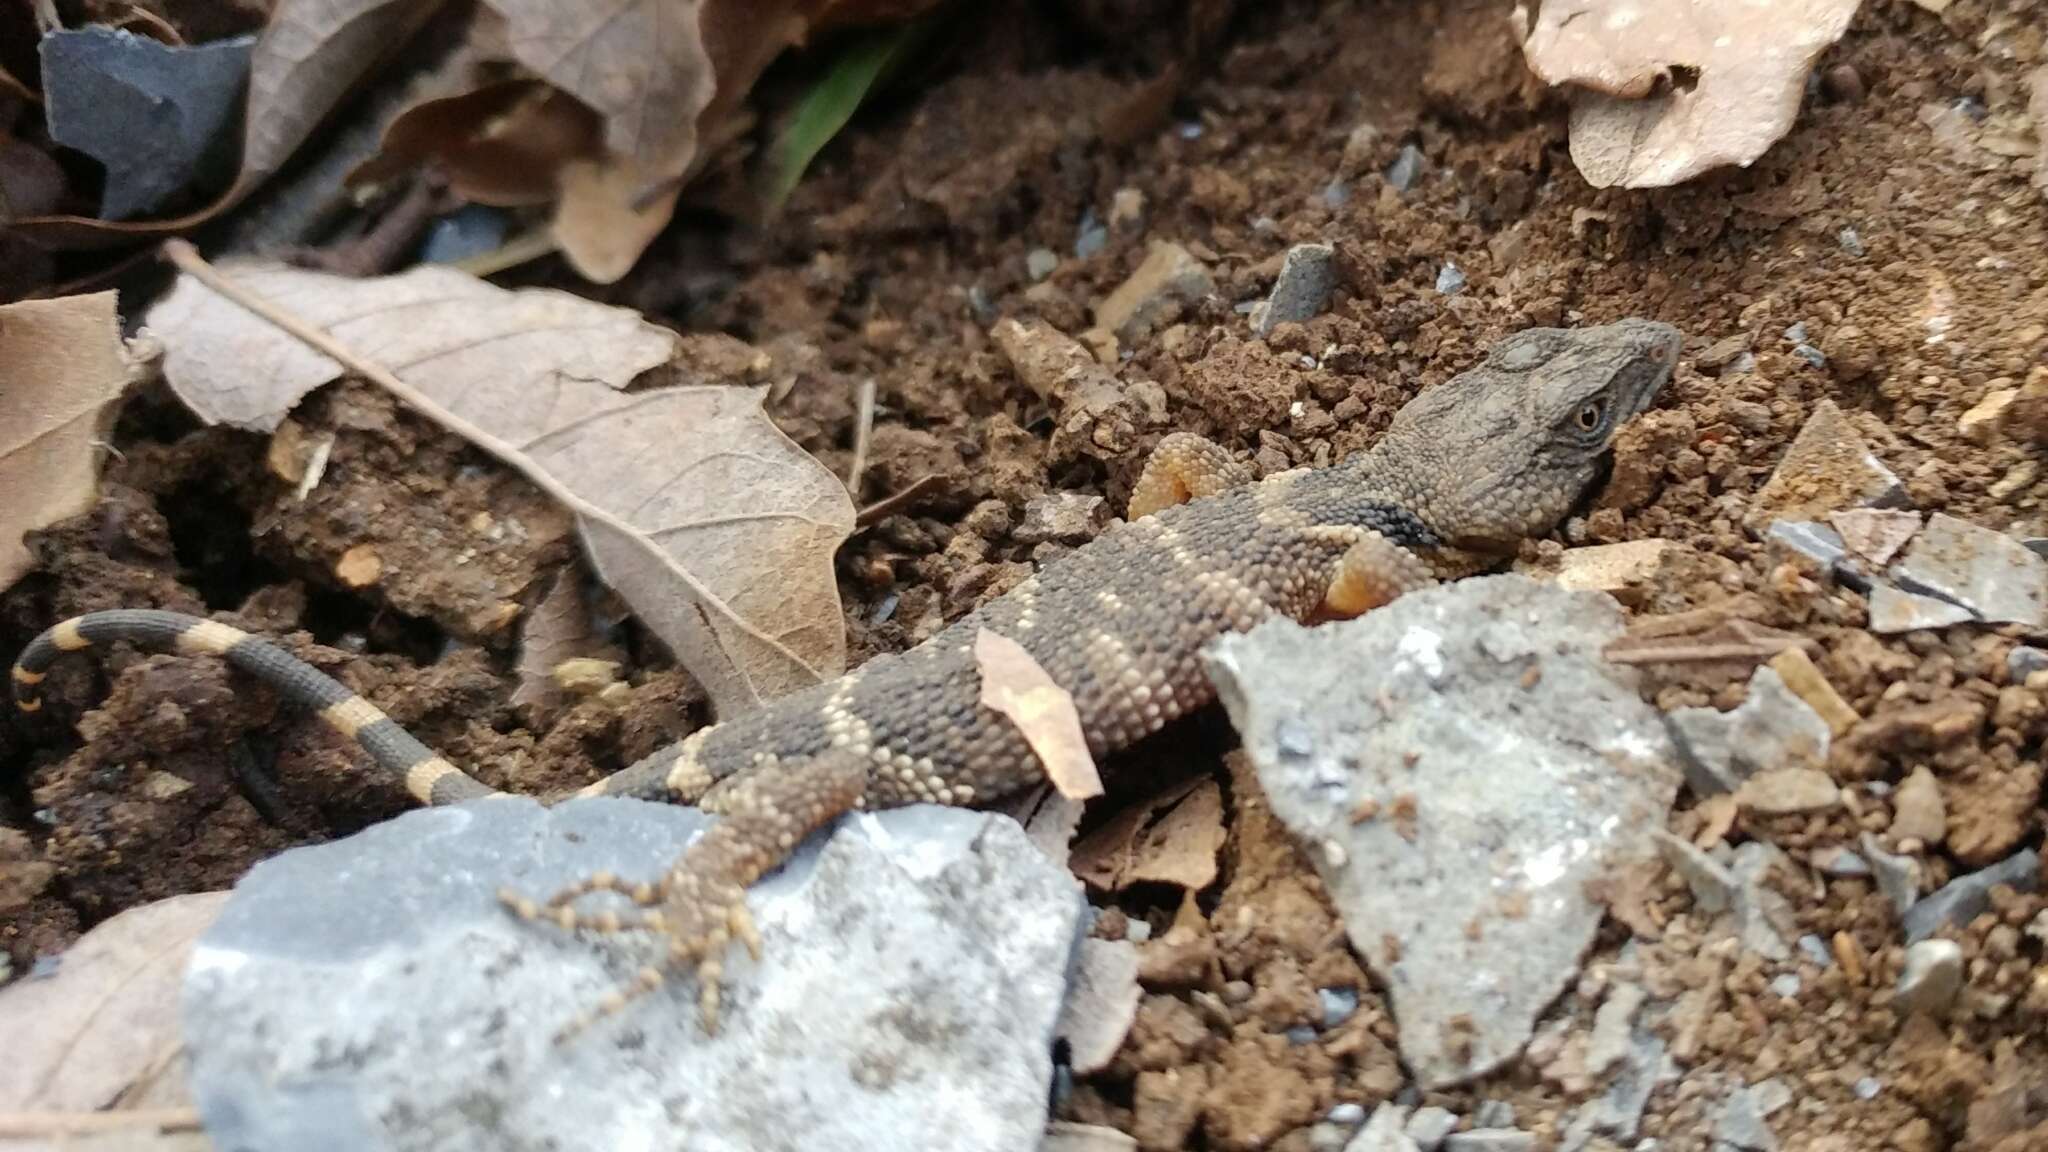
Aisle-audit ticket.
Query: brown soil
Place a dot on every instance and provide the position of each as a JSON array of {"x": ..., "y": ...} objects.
[{"x": 149, "y": 776}]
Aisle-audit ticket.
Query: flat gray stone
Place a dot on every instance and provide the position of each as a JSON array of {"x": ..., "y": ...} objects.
[
  {"x": 161, "y": 118},
  {"x": 1067, "y": 517},
  {"x": 370, "y": 993},
  {"x": 1383, "y": 1132},
  {"x": 1931, "y": 977},
  {"x": 1300, "y": 290},
  {"x": 1763, "y": 918},
  {"x": 1772, "y": 728},
  {"x": 1742, "y": 1122},
  {"x": 1525, "y": 789},
  {"x": 1893, "y": 611},
  {"x": 1898, "y": 877},
  {"x": 1713, "y": 885},
  {"x": 1101, "y": 1003},
  {"x": 1997, "y": 578},
  {"x": 1430, "y": 1126},
  {"x": 1964, "y": 898}
]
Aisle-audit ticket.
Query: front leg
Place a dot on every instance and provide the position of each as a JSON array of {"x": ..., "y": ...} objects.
[
  {"x": 700, "y": 904},
  {"x": 1183, "y": 467},
  {"x": 1372, "y": 573}
]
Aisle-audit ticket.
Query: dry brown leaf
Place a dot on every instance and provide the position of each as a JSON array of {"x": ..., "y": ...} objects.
[
  {"x": 102, "y": 1031},
  {"x": 558, "y": 629},
  {"x": 723, "y": 530},
  {"x": 1669, "y": 89},
  {"x": 601, "y": 230},
  {"x": 308, "y": 57},
  {"x": 1138, "y": 844},
  {"x": 642, "y": 65},
  {"x": 62, "y": 368},
  {"x": 503, "y": 144},
  {"x": 1013, "y": 684}
]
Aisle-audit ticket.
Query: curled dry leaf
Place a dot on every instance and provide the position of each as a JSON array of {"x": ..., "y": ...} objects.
[
  {"x": 102, "y": 1031},
  {"x": 308, "y": 57},
  {"x": 558, "y": 629},
  {"x": 1140, "y": 845},
  {"x": 504, "y": 144},
  {"x": 714, "y": 526},
  {"x": 1668, "y": 89},
  {"x": 1015, "y": 685},
  {"x": 62, "y": 368}
]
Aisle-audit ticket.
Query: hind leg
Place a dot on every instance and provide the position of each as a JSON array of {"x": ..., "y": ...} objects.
[{"x": 1183, "y": 467}]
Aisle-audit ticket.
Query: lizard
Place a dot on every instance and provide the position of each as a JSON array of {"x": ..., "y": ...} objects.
[{"x": 1464, "y": 473}]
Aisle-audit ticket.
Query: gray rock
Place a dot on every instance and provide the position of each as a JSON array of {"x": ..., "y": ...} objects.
[
  {"x": 1964, "y": 898},
  {"x": 1786, "y": 985},
  {"x": 1772, "y": 728},
  {"x": 1742, "y": 1123},
  {"x": 1996, "y": 577},
  {"x": 370, "y": 993},
  {"x": 1867, "y": 1088},
  {"x": 1430, "y": 1126},
  {"x": 1348, "y": 1114},
  {"x": 1918, "y": 812},
  {"x": 1067, "y": 517},
  {"x": 1898, "y": 877},
  {"x": 1850, "y": 242},
  {"x": 160, "y": 117},
  {"x": 1893, "y": 611},
  {"x": 1490, "y": 1140},
  {"x": 1816, "y": 950},
  {"x": 2023, "y": 662},
  {"x": 1826, "y": 469},
  {"x": 1713, "y": 886},
  {"x": 1771, "y": 1095},
  {"x": 1090, "y": 236},
  {"x": 1525, "y": 789},
  {"x": 1338, "y": 1004},
  {"x": 1450, "y": 279},
  {"x": 1040, "y": 263},
  {"x": 1302, "y": 288},
  {"x": 470, "y": 230},
  {"x": 1101, "y": 1003},
  {"x": 1406, "y": 168},
  {"x": 1763, "y": 918},
  {"x": 1931, "y": 977},
  {"x": 1383, "y": 1132},
  {"x": 1619, "y": 1113},
  {"x": 1839, "y": 861},
  {"x": 1493, "y": 1114},
  {"x": 1613, "y": 1028}
]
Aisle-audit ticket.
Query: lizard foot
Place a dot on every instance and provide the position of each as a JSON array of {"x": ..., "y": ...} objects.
[
  {"x": 700, "y": 905},
  {"x": 1373, "y": 572},
  {"x": 1183, "y": 467}
]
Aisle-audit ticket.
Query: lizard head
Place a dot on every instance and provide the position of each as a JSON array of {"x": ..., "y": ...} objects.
[{"x": 1504, "y": 451}]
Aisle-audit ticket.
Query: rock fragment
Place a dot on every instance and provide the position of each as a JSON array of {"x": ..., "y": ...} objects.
[
  {"x": 1713, "y": 885},
  {"x": 1827, "y": 469},
  {"x": 1102, "y": 1000},
  {"x": 1742, "y": 1122},
  {"x": 931, "y": 942},
  {"x": 1898, "y": 877},
  {"x": 1980, "y": 424},
  {"x": 1962, "y": 899},
  {"x": 1783, "y": 791},
  {"x": 1771, "y": 729},
  {"x": 1998, "y": 579},
  {"x": 1621, "y": 570},
  {"x": 1917, "y": 810},
  {"x": 1931, "y": 977},
  {"x": 1383, "y": 1133},
  {"x": 1065, "y": 517},
  {"x": 1875, "y": 534},
  {"x": 1806, "y": 681},
  {"x": 1893, "y": 611},
  {"x": 1523, "y": 788},
  {"x": 1430, "y": 1126},
  {"x": 1169, "y": 279},
  {"x": 1307, "y": 274},
  {"x": 1490, "y": 1140}
]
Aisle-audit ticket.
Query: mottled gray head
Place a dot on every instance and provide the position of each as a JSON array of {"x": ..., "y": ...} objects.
[{"x": 1502, "y": 452}]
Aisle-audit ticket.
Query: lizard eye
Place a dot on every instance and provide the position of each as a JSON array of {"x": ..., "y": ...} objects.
[{"x": 1591, "y": 415}]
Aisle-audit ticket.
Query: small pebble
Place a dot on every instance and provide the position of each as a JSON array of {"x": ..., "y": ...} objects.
[
  {"x": 1867, "y": 1088},
  {"x": 1931, "y": 977},
  {"x": 1816, "y": 950},
  {"x": 1406, "y": 168},
  {"x": 1336, "y": 194},
  {"x": 1339, "y": 1004},
  {"x": 1430, "y": 1126},
  {"x": 2023, "y": 662},
  {"x": 1090, "y": 237},
  {"x": 1190, "y": 129},
  {"x": 1139, "y": 931},
  {"x": 1348, "y": 1114},
  {"x": 1237, "y": 991},
  {"x": 1450, "y": 280},
  {"x": 1850, "y": 242},
  {"x": 1040, "y": 263},
  {"x": 1300, "y": 1035},
  {"x": 1786, "y": 985},
  {"x": 1494, "y": 1114}
]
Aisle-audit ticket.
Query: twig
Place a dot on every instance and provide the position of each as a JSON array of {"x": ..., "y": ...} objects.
[
  {"x": 892, "y": 504},
  {"x": 35, "y": 1125},
  {"x": 863, "y": 428},
  {"x": 1760, "y": 649},
  {"x": 187, "y": 259},
  {"x": 521, "y": 249}
]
